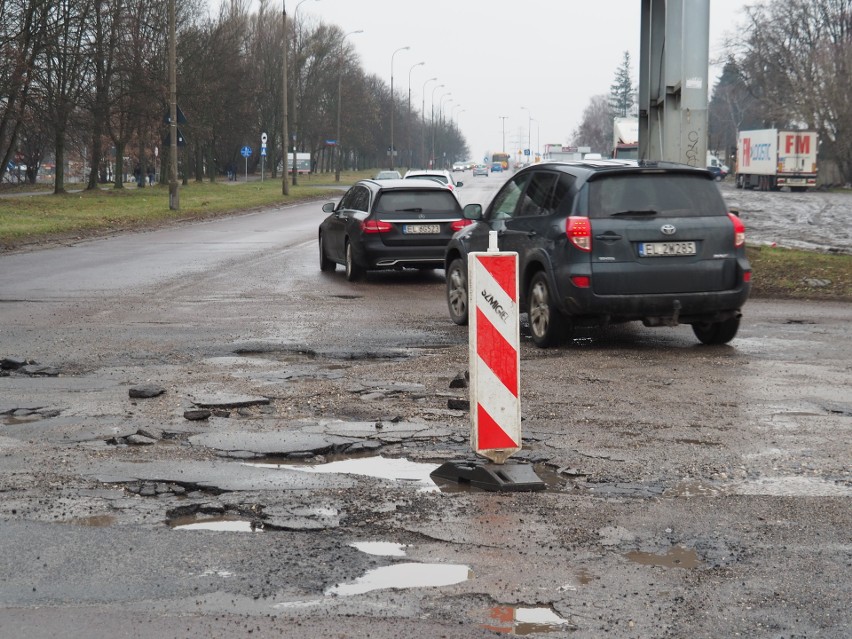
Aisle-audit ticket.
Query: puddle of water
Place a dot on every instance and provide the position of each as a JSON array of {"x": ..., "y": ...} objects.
[
  {"x": 415, "y": 473},
  {"x": 510, "y": 620},
  {"x": 691, "y": 489},
  {"x": 95, "y": 521},
  {"x": 219, "y": 524},
  {"x": 676, "y": 557},
  {"x": 380, "y": 548},
  {"x": 408, "y": 575},
  {"x": 792, "y": 487}
]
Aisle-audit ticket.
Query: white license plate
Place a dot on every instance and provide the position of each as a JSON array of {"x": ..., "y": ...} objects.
[
  {"x": 665, "y": 249},
  {"x": 415, "y": 229}
]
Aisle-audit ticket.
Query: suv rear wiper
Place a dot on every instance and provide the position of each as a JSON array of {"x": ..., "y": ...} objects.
[
  {"x": 635, "y": 212},
  {"x": 412, "y": 210}
]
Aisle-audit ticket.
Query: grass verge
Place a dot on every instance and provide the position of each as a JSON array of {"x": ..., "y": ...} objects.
[
  {"x": 32, "y": 220},
  {"x": 27, "y": 219}
]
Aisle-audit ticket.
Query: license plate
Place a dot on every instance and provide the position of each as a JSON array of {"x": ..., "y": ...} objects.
[
  {"x": 665, "y": 249},
  {"x": 415, "y": 229}
]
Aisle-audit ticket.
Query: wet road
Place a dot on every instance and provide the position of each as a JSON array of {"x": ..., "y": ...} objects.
[{"x": 691, "y": 491}]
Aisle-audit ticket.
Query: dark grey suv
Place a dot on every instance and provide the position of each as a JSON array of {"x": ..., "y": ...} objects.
[{"x": 610, "y": 241}]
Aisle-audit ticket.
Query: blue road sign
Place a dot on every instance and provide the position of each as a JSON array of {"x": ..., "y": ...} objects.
[
  {"x": 263, "y": 150},
  {"x": 245, "y": 151}
]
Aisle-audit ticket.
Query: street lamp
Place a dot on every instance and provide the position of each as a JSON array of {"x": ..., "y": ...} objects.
[
  {"x": 504, "y": 118},
  {"x": 339, "y": 81},
  {"x": 529, "y": 131},
  {"x": 392, "y": 103},
  {"x": 413, "y": 66},
  {"x": 432, "y": 155},
  {"x": 423, "y": 123},
  {"x": 440, "y": 119},
  {"x": 299, "y": 81}
]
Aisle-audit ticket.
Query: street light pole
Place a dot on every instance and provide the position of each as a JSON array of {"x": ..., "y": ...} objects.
[
  {"x": 504, "y": 118},
  {"x": 339, "y": 82},
  {"x": 295, "y": 96},
  {"x": 410, "y": 152},
  {"x": 392, "y": 103},
  {"x": 432, "y": 155},
  {"x": 423, "y": 123},
  {"x": 440, "y": 117},
  {"x": 529, "y": 131}
]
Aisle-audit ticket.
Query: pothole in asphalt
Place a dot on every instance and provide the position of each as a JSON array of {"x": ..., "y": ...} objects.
[
  {"x": 691, "y": 489},
  {"x": 402, "y": 576},
  {"x": 219, "y": 524},
  {"x": 402, "y": 470},
  {"x": 676, "y": 557},
  {"x": 513, "y": 620},
  {"x": 380, "y": 548}
]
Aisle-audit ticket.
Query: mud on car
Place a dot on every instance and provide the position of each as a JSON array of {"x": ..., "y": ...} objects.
[{"x": 608, "y": 241}]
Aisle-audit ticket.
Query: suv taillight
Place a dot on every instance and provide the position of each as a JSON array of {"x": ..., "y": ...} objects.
[
  {"x": 579, "y": 232},
  {"x": 458, "y": 225},
  {"x": 739, "y": 230},
  {"x": 375, "y": 226}
]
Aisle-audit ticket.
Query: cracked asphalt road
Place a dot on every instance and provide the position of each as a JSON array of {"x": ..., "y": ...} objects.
[{"x": 691, "y": 491}]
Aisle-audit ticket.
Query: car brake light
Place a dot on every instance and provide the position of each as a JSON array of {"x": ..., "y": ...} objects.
[
  {"x": 739, "y": 230},
  {"x": 579, "y": 232},
  {"x": 747, "y": 276},
  {"x": 458, "y": 225},
  {"x": 375, "y": 226},
  {"x": 581, "y": 281}
]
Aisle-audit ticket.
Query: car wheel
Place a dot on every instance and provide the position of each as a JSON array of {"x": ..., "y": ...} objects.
[
  {"x": 457, "y": 291},
  {"x": 547, "y": 326},
  {"x": 325, "y": 263},
  {"x": 353, "y": 271},
  {"x": 716, "y": 332}
]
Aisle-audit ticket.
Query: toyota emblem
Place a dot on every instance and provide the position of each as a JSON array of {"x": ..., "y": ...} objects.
[{"x": 668, "y": 229}]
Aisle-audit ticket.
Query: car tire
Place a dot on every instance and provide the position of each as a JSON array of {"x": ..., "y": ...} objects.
[
  {"x": 714, "y": 333},
  {"x": 326, "y": 264},
  {"x": 457, "y": 296},
  {"x": 547, "y": 325},
  {"x": 353, "y": 271}
]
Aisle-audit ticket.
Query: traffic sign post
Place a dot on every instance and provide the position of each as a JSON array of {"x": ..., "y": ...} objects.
[
  {"x": 262, "y": 154},
  {"x": 246, "y": 153},
  {"x": 495, "y": 381}
]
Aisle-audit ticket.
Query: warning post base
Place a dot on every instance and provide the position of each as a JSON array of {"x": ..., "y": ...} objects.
[{"x": 508, "y": 477}]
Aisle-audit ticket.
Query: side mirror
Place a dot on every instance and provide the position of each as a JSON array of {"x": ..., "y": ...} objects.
[
  {"x": 459, "y": 183},
  {"x": 328, "y": 207},
  {"x": 472, "y": 212}
]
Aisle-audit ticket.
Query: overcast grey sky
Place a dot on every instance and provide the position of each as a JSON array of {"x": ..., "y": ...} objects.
[{"x": 494, "y": 57}]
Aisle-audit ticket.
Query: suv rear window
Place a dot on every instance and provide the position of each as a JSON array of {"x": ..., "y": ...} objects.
[
  {"x": 666, "y": 194},
  {"x": 434, "y": 201}
]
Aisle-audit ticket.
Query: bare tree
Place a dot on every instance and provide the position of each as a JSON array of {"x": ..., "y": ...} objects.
[
  {"x": 22, "y": 38},
  {"x": 796, "y": 57},
  {"x": 595, "y": 129}
]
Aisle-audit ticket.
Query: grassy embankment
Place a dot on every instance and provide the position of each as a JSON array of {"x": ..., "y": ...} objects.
[{"x": 35, "y": 220}]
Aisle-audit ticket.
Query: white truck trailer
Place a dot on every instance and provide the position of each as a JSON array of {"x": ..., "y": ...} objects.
[
  {"x": 625, "y": 138},
  {"x": 769, "y": 159}
]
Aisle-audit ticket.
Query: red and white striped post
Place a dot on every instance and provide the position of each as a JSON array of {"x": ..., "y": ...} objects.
[{"x": 494, "y": 341}]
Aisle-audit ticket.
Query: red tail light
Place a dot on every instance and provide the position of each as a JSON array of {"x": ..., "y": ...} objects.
[
  {"x": 375, "y": 226},
  {"x": 458, "y": 225},
  {"x": 581, "y": 281},
  {"x": 739, "y": 230},
  {"x": 579, "y": 232}
]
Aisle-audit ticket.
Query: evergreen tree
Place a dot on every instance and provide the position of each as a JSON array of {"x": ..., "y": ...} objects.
[{"x": 621, "y": 92}]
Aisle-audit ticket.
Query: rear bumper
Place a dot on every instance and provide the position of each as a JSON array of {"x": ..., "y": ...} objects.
[
  {"x": 375, "y": 255},
  {"x": 654, "y": 310}
]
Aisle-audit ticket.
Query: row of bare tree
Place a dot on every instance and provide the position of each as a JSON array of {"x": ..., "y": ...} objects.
[{"x": 88, "y": 80}]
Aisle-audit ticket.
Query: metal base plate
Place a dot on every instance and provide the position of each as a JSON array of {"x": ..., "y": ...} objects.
[{"x": 508, "y": 477}]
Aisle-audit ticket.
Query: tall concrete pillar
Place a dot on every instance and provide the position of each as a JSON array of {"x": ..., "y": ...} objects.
[{"x": 673, "y": 74}]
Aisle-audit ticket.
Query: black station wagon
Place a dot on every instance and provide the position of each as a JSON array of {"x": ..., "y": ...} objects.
[
  {"x": 389, "y": 224},
  {"x": 610, "y": 241}
]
